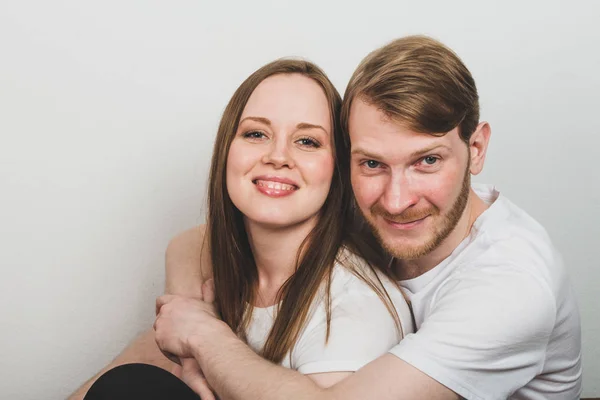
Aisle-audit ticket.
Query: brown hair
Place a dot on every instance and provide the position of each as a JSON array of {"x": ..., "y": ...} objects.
[
  {"x": 419, "y": 82},
  {"x": 234, "y": 269}
]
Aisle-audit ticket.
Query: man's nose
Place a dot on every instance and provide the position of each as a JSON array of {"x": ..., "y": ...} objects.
[{"x": 398, "y": 195}]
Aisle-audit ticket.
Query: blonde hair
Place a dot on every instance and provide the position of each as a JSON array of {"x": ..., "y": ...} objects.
[{"x": 418, "y": 82}]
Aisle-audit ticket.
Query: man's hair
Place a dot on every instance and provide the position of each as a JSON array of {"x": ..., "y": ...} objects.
[{"x": 418, "y": 82}]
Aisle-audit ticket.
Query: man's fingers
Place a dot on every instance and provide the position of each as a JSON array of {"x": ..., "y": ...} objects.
[{"x": 208, "y": 291}]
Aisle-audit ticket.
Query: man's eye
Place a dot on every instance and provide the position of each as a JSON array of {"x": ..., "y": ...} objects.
[
  {"x": 254, "y": 135},
  {"x": 372, "y": 164},
  {"x": 430, "y": 160}
]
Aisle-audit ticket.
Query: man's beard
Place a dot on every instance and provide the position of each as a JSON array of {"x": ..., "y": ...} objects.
[{"x": 441, "y": 230}]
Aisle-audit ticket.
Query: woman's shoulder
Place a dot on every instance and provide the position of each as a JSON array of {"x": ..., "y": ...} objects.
[
  {"x": 353, "y": 273},
  {"x": 350, "y": 264},
  {"x": 357, "y": 300},
  {"x": 187, "y": 262},
  {"x": 354, "y": 279}
]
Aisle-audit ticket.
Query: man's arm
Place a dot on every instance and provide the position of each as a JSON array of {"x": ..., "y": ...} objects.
[
  {"x": 187, "y": 266},
  {"x": 235, "y": 372},
  {"x": 513, "y": 310}
]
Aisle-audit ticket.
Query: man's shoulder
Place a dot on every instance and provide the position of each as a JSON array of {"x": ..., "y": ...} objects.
[
  {"x": 501, "y": 259},
  {"x": 508, "y": 235},
  {"x": 504, "y": 219}
]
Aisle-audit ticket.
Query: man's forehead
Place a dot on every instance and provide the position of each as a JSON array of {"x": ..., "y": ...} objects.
[
  {"x": 401, "y": 142},
  {"x": 366, "y": 117},
  {"x": 372, "y": 130}
]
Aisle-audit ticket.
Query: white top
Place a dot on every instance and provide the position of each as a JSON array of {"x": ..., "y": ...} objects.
[
  {"x": 362, "y": 329},
  {"x": 498, "y": 319}
]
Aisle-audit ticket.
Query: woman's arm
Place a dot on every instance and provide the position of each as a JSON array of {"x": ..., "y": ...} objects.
[{"x": 187, "y": 263}]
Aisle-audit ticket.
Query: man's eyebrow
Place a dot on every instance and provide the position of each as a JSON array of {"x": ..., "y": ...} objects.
[
  {"x": 262, "y": 120},
  {"x": 360, "y": 152},
  {"x": 418, "y": 153},
  {"x": 423, "y": 152}
]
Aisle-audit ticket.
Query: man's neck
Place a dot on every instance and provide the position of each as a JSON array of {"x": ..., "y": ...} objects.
[
  {"x": 275, "y": 252},
  {"x": 409, "y": 269}
]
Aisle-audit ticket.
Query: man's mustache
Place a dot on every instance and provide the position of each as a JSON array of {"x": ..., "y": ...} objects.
[{"x": 406, "y": 216}]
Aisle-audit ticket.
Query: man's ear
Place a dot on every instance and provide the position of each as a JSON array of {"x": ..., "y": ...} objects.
[{"x": 478, "y": 144}]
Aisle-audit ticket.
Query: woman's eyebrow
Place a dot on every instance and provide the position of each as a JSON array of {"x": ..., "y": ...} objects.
[
  {"x": 300, "y": 126},
  {"x": 306, "y": 125},
  {"x": 263, "y": 120}
]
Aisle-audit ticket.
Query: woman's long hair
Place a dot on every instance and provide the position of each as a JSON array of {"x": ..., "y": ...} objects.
[{"x": 234, "y": 269}]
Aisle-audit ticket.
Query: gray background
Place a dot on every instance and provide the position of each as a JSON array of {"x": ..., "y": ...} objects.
[{"x": 108, "y": 111}]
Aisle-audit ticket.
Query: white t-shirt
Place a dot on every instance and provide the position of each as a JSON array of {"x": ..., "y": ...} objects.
[
  {"x": 361, "y": 327},
  {"x": 497, "y": 319}
]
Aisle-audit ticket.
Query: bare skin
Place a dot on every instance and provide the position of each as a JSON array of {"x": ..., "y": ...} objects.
[{"x": 184, "y": 277}]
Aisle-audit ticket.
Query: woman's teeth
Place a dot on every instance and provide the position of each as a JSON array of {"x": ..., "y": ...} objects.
[{"x": 275, "y": 185}]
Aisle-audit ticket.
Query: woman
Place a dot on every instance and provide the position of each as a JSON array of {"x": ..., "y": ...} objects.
[{"x": 289, "y": 276}]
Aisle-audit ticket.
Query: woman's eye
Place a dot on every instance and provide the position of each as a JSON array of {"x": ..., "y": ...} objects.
[
  {"x": 254, "y": 135},
  {"x": 372, "y": 164},
  {"x": 430, "y": 160},
  {"x": 308, "y": 142}
]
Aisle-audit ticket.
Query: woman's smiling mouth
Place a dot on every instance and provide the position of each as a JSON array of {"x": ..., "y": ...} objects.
[{"x": 275, "y": 186}]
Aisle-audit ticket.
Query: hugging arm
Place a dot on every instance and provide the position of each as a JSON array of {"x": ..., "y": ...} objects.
[
  {"x": 446, "y": 356},
  {"x": 361, "y": 330},
  {"x": 235, "y": 372}
]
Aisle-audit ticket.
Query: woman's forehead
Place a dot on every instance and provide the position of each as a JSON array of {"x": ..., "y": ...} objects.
[{"x": 289, "y": 98}]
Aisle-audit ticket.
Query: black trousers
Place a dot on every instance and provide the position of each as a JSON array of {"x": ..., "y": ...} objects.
[{"x": 139, "y": 381}]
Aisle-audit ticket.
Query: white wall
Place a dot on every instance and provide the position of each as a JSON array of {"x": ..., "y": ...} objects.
[{"x": 108, "y": 111}]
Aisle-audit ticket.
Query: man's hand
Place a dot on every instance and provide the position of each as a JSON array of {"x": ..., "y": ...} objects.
[{"x": 179, "y": 318}]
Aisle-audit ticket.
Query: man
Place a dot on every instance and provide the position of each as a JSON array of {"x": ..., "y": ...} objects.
[{"x": 495, "y": 313}]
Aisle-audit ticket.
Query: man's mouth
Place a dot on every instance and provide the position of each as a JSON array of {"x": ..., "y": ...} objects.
[{"x": 405, "y": 224}]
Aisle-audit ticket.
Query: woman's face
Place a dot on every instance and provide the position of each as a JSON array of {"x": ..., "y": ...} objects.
[{"x": 280, "y": 163}]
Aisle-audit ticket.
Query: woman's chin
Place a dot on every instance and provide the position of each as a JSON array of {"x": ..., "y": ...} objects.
[{"x": 276, "y": 221}]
